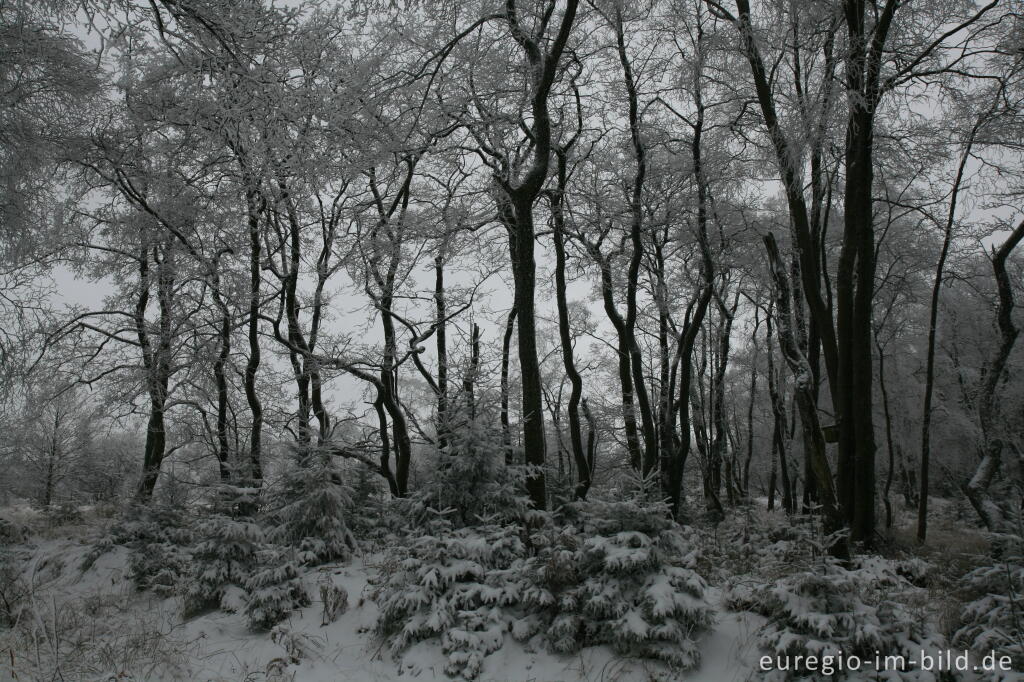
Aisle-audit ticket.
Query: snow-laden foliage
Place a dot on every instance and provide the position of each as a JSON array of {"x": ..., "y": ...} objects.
[
  {"x": 455, "y": 585},
  {"x": 471, "y": 480},
  {"x": 12, "y": 532},
  {"x": 275, "y": 588},
  {"x": 63, "y": 514},
  {"x": 994, "y": 617},
  {"x": 750, "y": 541},
  {"x": 828, "y": 609},
  {"x": 159, "y": 537},
  {"x": 622, "y": 576},
  {"x": 13, "y": 589},
  {"x": 310, "y": 510},
  {"x": 637, "y": 589},
  {"x": 224, "y": 556}
]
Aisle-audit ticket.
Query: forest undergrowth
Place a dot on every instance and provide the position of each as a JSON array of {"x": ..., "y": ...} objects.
[{"x": 117, "y": 594}]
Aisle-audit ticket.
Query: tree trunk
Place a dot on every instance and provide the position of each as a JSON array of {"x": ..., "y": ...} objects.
[
  {"x": 933, "y": 316},
  {"x": 253, "y": 364},
  {"x": 544, "y": 55},
  {"x": 524, "y": 270},
  {"x": 804, "y": 395},
  {"x": 506, "y": 349},
  {"x": 888, "y": 433},
  {"x": 219, "y": 377},
  {"x": 158, "y": 364},
  {"x": 990, "y": 511},
  {"x": 583, "y": 472},
  {"x": 778, "y": 421},
  {"x": 442, "y": 353}
]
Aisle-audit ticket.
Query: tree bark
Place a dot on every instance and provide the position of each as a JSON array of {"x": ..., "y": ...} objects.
[
  {"x": 544, "y": 55},
  {"x": 991, "y": 512},
  {"x": 804, "y": 394},
  {"x": 253, "y": 364},
  {"x": 506, "y": 349},
  {"x": 583, "y": 473},
  {"x": 933, "y": 316}
]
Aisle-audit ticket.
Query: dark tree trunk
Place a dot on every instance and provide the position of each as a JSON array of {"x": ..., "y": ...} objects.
[
  {"x": 804, "y": 395},
  {"x": 253, "y": 364},
  {"x": 989, "y": 510},
  {"x": 933, "y": 316},
  {"x": 778, "y": 420},
  {"x": 544, "y": 55},
  {"x": 385, "y": 445},
  {"x": 886, "y": 499},
  {"x": 469, "y": 380},
  {"x": 524, "y": 274},
  {"x": 583, "y": 472},
  {"x": 219, "y": 377},
  {"x": 751, "y": 403},
  {"x": 626, "y": 383},
  {"x": 157, "y": 361},
  {"x": 627, "y": 327},
  {"x": 442, "y": 353},
  {"x": 719, "y": 443}
]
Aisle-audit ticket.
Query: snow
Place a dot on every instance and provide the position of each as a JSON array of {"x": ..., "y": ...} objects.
[
  {"x": 108, "y": 629},
  {"x": 218, "y": 646}
]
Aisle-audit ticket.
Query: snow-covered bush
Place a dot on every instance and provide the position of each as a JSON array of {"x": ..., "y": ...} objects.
[
  {"x": 636, "y": 588},
  {"x": 224, "y": 556},
  {"x": 454, "y": 585},
  {"x": 158, "y": 567},
  {"x": 12, "y": 532},
  {"x": 13, "y": 589},
  {"x": 275, "y": 589},
  {"x": 310, "y": 510},
  {"x": 63, "y": 514},
  {"x": 752, "y": 540},
  {"x": 994, "y": 618},
  {"x": 158, "y": 537},
  {"x": 622, "y": 576},
  {"x": 470, "y": 478},
  {"x": 828, "y": 610}
]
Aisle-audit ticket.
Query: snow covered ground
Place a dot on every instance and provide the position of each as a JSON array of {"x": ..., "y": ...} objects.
[{"x": 94, "y": 625}]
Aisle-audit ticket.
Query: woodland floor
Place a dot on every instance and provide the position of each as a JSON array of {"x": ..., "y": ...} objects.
[{"x": 94, "y": 625}]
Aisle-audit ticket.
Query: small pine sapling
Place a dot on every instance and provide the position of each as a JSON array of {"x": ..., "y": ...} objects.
[
  {"x": 275, "y": 588},
  {"x": 638, "y": 588},
  {"x": 994, "y": 619},
  {"x": 310, "y": 510},
  {"x": 225, "y": 554}
]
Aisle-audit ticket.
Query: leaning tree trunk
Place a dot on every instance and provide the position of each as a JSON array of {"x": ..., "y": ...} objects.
[{"x": 990, "y": 511}]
